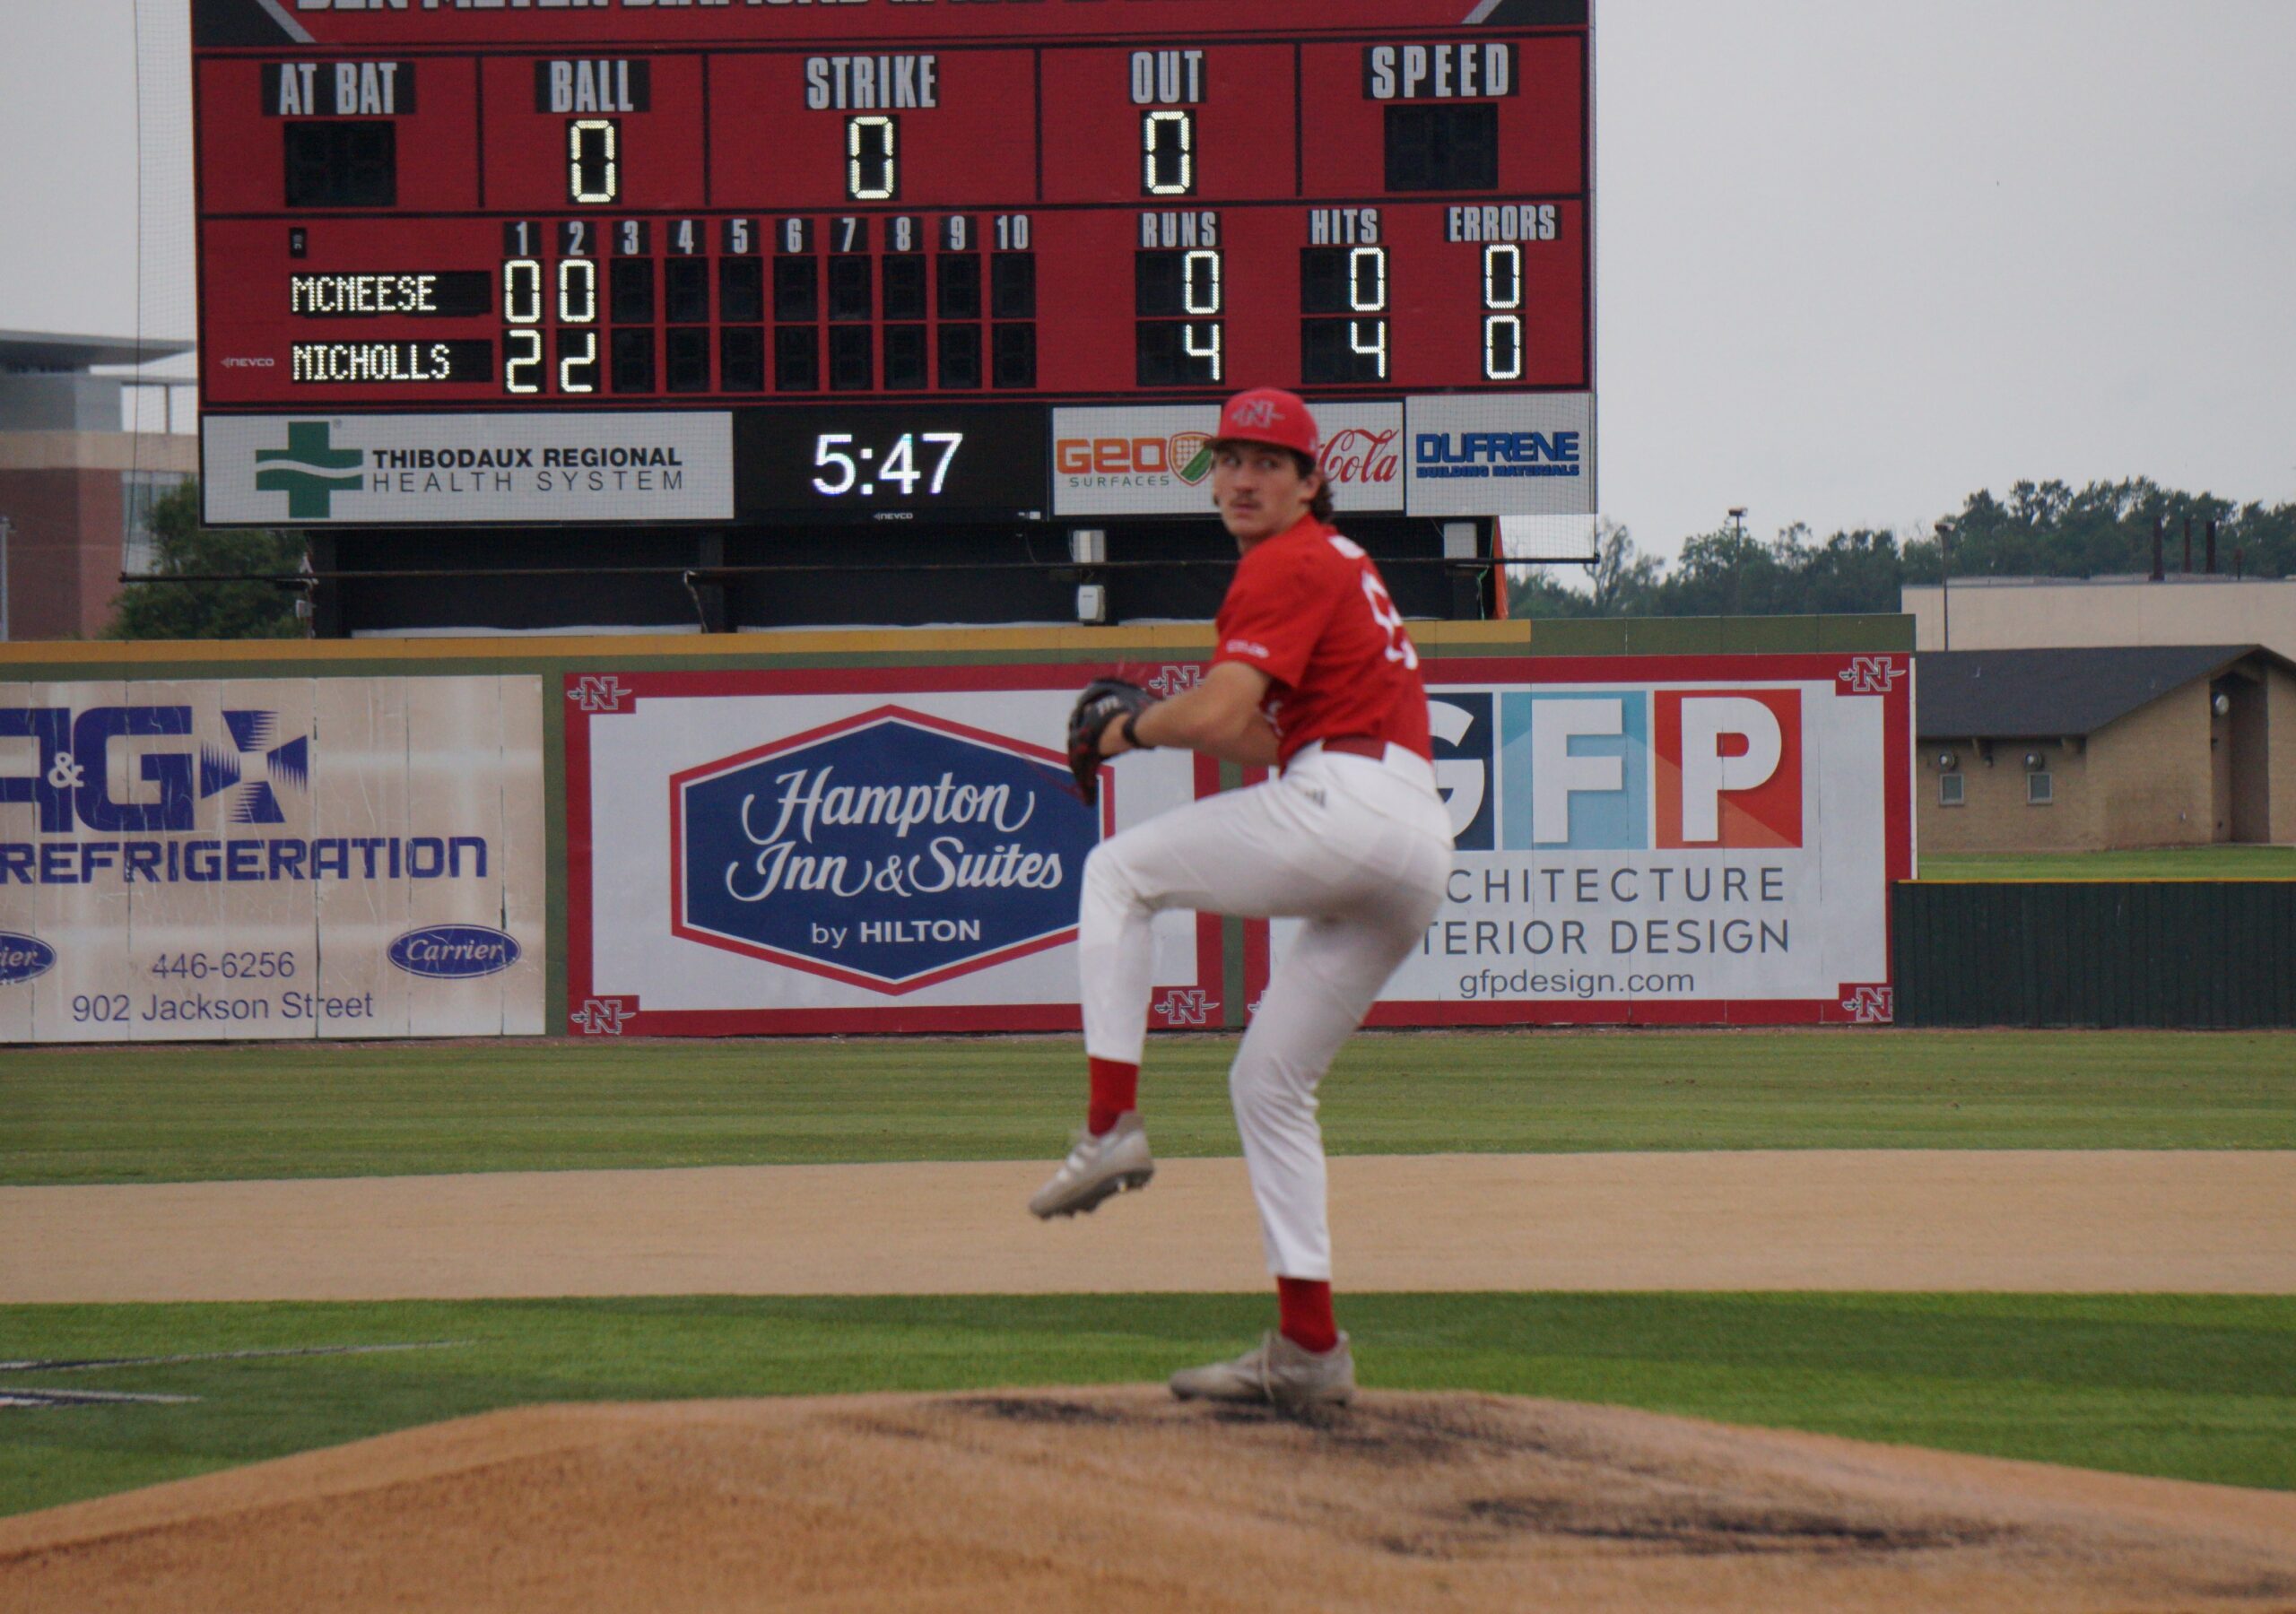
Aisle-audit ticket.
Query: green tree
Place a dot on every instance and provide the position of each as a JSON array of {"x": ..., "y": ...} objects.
[
  {"x": 214, "y": 611},
  {"x": 2039, "y": 529}
]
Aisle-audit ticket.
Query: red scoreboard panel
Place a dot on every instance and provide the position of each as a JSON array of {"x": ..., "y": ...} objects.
[{"x": 528, "y": 261}]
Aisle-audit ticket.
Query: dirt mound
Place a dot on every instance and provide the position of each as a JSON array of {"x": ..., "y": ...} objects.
[{"x": 1123, "y": 1499}]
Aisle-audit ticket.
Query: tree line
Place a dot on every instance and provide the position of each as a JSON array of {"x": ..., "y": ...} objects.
[{"x": 2042, "y": 530}]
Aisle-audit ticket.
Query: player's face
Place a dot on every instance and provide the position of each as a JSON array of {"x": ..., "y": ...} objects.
[{"x": 1260, "y": 490}]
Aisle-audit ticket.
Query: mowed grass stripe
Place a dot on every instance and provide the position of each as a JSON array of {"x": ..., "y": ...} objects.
[
  {"x": 2157, "y": 863},
  {"x": 187, "y": 1113},
  {"x": 2195, "y": 1387}
]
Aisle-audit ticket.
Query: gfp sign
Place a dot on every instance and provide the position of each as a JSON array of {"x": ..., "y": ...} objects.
[{"x": 891, "y": 851}]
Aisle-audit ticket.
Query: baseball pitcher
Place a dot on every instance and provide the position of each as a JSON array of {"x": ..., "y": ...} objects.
[{"x": 1313, "y": 674}]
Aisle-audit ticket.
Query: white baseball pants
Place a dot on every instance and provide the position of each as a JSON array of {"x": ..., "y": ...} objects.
[{"x": 1360, "y": 849}]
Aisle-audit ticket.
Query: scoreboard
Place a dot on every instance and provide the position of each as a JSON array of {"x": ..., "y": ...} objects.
[{"x": 760, "y": 262}]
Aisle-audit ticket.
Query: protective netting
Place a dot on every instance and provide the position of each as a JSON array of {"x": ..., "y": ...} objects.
[
  {"x": 166, "y": 277},
  {"x": 1549, "y": 538}
]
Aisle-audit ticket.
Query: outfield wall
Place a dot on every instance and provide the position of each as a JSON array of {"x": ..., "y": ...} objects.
[
  {"x": 1669, "y": 822},
  {"x": 2182, "y": 955}
]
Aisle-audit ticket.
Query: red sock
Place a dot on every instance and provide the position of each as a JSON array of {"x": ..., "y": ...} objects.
[
  {"x": 1304, "y": 1306},
  {"x": 1116, "y": 1088}
]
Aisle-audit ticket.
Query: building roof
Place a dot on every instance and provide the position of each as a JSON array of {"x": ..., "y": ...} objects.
[
  {"x": 2002, "y": 694},
  {"x": 46, "y": 352}
]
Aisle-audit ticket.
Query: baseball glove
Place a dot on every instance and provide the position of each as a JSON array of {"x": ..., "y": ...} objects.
[{"x": 1103, "y": 701}]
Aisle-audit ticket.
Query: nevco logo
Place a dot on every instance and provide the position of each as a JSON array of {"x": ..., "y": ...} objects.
[
  {"x": 1184, "y": 454},
  {"x": 310, "y": 470}
]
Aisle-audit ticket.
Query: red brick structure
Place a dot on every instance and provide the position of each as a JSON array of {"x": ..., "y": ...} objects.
[{"x": 75, "y": 486}]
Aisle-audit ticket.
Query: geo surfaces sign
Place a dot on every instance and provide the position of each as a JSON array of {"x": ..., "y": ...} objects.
[
  {"x": 1156, "y": 460},
  {"x": 891, "y": 850},
  {"x": 353, "y": 470}
]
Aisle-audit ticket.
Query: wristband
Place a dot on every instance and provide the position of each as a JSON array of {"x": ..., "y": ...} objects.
[{"x": 1132, "y": 733}]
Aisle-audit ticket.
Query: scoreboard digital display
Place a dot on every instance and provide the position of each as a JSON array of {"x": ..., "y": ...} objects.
[{"x": 530, "y": 262}]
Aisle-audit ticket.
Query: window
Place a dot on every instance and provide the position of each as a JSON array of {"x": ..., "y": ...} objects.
[
  {"x": 139, "y": 490},
  {"x": 1949, "y": 790},
  {"x": 2040, "y": 789}
]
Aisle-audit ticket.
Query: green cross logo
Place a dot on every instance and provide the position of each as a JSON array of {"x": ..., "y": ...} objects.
[{"x": 310, "y": 471}]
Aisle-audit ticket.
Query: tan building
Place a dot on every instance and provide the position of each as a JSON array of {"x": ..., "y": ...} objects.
[
  {"x": 76, "y": 489},
  {"x": 2027, "y": 614},
  {"x": 2089, "y": 749}
]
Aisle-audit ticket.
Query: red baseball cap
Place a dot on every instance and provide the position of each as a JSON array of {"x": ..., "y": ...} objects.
[{"x": 1268, "y": 414}]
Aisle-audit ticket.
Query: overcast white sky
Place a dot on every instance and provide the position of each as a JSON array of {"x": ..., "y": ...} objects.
[{"x": 1855, "y": 260}]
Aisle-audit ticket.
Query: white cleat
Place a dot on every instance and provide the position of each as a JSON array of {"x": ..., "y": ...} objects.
[
  {"x": 1098, "y": 1166},
  {"x": 1275, "y": 1373}
]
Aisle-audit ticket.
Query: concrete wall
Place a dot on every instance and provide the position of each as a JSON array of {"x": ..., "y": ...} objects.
[
  {"x": 2032, "y": 614},
  {"x": 2154, "y": 773},
  {"x": 2280, "y": 732},
  {"x": 2245, "y": 756},
  {"x": 1995, "y": 815}
]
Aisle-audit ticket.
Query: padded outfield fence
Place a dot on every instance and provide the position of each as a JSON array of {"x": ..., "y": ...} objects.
[
  {"x": 2196, "y": 955},
  {"x": 1663, "y": 823}
]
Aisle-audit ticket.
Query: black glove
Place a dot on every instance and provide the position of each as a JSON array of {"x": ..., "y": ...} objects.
[{"x": 1104, "y": 700}]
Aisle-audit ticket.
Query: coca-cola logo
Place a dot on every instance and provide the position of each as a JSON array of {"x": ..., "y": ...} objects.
[{"x": 1357, "y": 458}]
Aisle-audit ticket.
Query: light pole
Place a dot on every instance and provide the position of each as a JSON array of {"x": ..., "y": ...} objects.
[
  {"x": 1945, "y": 579},
  {"x": 1738, "y": 522}
]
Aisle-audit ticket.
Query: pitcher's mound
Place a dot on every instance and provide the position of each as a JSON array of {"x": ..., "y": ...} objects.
[{"x": 1123, "y": 1499}]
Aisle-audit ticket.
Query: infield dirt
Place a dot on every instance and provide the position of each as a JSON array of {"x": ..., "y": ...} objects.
[
  {"x": 2120, "y": 1221},
  {"x": 1124, "y": 1500}
]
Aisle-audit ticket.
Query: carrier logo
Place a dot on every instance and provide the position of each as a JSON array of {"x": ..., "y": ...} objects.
[
  {"x": 890, "y": 851},
  {"x": 310, "y": 470},
  {"x": 454, "y": 952},
  {"x": 1496, "y": 454},
  {"x": 23, "y": 958}
]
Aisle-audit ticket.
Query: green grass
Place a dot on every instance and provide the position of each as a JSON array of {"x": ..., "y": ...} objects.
[
  {"x": 2189, "y": 1386},
  {"x": 127, "y": 1114},
  {"x": 2161, "y": 863}
]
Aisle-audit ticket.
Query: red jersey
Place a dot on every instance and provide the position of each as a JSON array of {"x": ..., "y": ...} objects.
[{"x": 1308, "y": 609}]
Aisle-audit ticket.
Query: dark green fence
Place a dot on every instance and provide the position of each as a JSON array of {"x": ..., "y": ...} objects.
[{"x": 2199, "y": 954}]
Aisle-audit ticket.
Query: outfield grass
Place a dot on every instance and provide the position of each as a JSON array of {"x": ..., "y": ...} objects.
[
  {"x": 127, "y": 1114},
  {"x": 2190, "y": 1387},
  {"x": 2160, "y": 862}
]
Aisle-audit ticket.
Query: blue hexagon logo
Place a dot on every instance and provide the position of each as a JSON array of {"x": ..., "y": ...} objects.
[{"x": 890, "y": 850}]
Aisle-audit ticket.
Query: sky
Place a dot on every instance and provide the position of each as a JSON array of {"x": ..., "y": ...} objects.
[{"x": 1854, "y": 261}]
